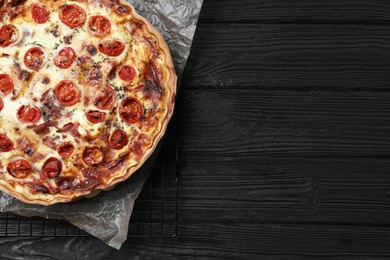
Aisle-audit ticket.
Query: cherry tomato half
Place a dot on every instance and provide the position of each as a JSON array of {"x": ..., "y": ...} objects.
[
  {"x": 52, "y": 167},
  {"x": 130, "y": 110},
  {"x": 99, "y": 26},
  {"x": 6, "y": 84},
  {"x": 111, "y": 48},
  {"x": 65, "y": 58},
  {"x": 127, "y": 73},
  {"x": 28, "y": 114},
  {"x": 19, "y": 168},
  {"x": 40, "y": 14},
  {"x": 33, "y": 59},
  {"x": 8, "y": 35},
  {"x": 95, "y": 116},
  {"x": 72, "y": 16},
  {"x": 66, "y": 149},
  {"x": 118, "y": 139},
  {"x": 6, "y": 144},
  {"x": 67, "y": 93}
]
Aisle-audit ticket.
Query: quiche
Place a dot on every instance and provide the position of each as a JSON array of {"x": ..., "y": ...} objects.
[{"x": 87, "y": 89}]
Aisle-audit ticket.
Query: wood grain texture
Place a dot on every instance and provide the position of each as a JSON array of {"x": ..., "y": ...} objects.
[
  {"x": 220, "y": 241},
  {"x": 304, "y": 11},
  {"x": 252, "y": 189},
  {"x": 290, "y": 57},
  {"x": 53, "y": 248},
  {"x": 285, "y": 123}
]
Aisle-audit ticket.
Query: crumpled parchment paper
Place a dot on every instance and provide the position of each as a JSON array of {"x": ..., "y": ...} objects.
[{"x": 107, "y": 215}]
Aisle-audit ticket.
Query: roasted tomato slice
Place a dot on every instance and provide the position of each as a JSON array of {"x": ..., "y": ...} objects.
[
  {"x": 19, "y": 168},
  {"x": 99, "y": 26},
  {"x": 66, "y": 149},
  {"x": 95, "y": 116},
  {"x": 111, "y": 48},
  {"x": 6, "y": 144},
  {"x": 52, "y": 167},
  {"x": 65, "y": 58},
  {"x": 72, "y": 16},
  {"x": 33, "y": 59},
  {"x": 6, "y": 84},
  {"x": 8, "y": 35},
  {"x": 130, "y": 110},
  {"x": 40, "y": 14},
  {"x": 67, "y": 93},
  {"x": 127, "y": 73},
  {"x": 29, "y": 114},
  {"x": 118, "y": 139}
]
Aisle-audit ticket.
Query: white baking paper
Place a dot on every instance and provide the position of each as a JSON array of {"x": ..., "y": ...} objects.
[{"x": 107, "y": 215}]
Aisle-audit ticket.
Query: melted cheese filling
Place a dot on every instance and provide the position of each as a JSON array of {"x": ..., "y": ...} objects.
[{"x": 50, "y": 38}]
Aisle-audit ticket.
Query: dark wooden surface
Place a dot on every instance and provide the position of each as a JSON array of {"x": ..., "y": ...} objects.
[{"x": 284, "y": 119}]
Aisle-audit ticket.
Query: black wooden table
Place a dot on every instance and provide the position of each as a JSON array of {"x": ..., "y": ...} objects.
[{"x": 284, "y": 122}]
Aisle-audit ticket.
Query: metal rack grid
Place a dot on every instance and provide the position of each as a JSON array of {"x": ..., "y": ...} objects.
[{"x": 155, "y": 212}]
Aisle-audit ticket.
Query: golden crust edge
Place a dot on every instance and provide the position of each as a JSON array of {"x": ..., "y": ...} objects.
[{"x": 171, "y": 83}]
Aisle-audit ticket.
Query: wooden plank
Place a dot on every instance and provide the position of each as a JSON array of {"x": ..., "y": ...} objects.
[
  {"x": 54, "y": 248},
  {"x": 246, "y": 241},
  {"x": 284, "y": 123},
  {"x": 304, "y": 11},
  {"x": 219, "y": 241},
  {"x": 285, "y": 156},
  {"x": 290, "y": 57},
  {"x": 254, "y": 189}
]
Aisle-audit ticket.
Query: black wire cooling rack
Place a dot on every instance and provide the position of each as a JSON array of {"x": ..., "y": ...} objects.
[{"x": 155, "y": 211}]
